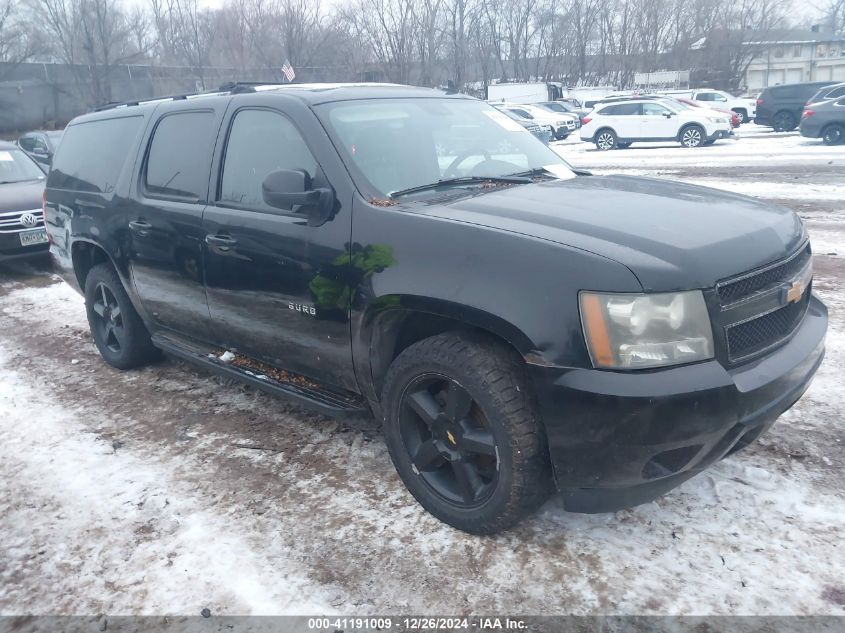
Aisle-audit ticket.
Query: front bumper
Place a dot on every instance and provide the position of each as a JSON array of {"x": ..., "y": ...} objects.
[
  {"x": 718, "y": 133},
  {"x": 10, "y": 248},
  {"x": 620, "y": 439}
]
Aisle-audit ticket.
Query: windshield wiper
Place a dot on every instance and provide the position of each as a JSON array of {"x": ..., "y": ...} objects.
[
  {"x": 463, "y": 180},
  {"x": 542, "y": 171}
]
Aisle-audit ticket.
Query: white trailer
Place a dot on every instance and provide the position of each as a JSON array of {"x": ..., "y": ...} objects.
[
  {"x": 588, "y": 93},
  {"x": 531, "y": 92}
]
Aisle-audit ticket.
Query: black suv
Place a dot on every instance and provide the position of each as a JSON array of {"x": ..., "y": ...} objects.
[
  {"x": 780, "y": 107},
  {"x": 514, "y": 323}
]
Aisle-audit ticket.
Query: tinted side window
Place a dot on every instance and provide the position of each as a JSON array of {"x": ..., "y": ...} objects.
[
  {"x": 91, "y": 155},
  {"x": 836, "y": 92},
  {"x": 260, "y": 142},
  {"x": 625, "y": 109},
  {"x": 27, "y": 143},
  {"x": 177, "y": 163}
]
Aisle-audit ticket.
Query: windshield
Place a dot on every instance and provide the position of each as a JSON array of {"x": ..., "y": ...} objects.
[
  {"x": 15, "y": 166},
  {"x": 392, "y": 145}
]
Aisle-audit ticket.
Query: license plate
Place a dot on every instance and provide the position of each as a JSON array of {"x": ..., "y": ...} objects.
[{"x": 38, "y": 236}]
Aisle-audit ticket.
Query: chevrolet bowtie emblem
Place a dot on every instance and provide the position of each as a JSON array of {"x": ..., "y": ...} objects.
[{"x": 796, "y": 291}]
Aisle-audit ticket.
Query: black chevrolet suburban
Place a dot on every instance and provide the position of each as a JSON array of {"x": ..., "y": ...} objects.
[{"x": 516, "y": 324}]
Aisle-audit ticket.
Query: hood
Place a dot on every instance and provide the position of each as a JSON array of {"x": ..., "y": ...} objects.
[
  {"x": 21, "y": 196},
  {"x": 672, "y": 236}
]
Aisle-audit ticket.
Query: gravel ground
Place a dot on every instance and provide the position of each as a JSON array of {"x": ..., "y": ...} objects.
[{"x": 165, "y": 490}]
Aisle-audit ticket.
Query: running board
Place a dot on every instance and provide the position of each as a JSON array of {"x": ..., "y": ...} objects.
[{"x": 330, "y": 403}]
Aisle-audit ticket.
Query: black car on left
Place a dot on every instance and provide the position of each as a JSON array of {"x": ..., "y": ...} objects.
[
  {"x": 22, "y": 232},
  {"x": 40, "y": 145}
]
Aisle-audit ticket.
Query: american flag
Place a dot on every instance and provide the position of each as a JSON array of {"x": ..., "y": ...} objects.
[{"x": 287, "y": 71}]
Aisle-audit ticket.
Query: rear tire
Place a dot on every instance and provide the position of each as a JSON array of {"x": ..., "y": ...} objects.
[
  {"x": 784, "y": 122},
  {"x": 692, "y": 136},
  {"x": 464, "y": 432},
  {"x": 117, "y": 329},
  {"x": 742, "y": 115},
  {"x": 606, "y": 140},
  {"x": 833, "y": 134}
]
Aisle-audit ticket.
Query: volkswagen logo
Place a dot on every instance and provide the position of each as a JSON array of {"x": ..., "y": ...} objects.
[{"x": 28, "y": 221}]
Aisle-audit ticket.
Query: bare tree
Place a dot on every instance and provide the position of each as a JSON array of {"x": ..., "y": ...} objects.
[{"x": 19, "y": 41}]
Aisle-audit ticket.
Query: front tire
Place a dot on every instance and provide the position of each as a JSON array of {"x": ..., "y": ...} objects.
[
  {"x": 833, "y": 134},
  {"x": 741, "y": 115},
  {"x": 692, "y": 136},
  {"x": 117, "y": 329},
  {"x": 464, "y": 433},
  {"x": 606, "y": 140}
]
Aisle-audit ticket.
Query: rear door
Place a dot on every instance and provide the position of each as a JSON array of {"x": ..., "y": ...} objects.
[
  {"x": 278, "y": 289},
  {"x": 624, "y": 119},
  {"x": 165, "y": 217}
]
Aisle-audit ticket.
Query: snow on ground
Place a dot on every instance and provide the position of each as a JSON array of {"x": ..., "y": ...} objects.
[{"x": 165, "y": 490}]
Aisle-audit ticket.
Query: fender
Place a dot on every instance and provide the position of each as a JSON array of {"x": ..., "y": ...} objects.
[{"x": 396, "y": 321}]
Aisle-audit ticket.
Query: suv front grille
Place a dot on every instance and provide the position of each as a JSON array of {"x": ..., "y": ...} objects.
[
  {"x": 752, "y": 282},
  {"x": 10, "y": 221},
  {"x": 756, "y": 335},
  {"x": 757, "y": 311}
]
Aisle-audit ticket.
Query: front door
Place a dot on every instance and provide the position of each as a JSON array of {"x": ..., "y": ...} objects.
[
  {"x": 165, "y": 216},
  {"x": 278, "y": 289},
  {"x": 658, "y": 121}
]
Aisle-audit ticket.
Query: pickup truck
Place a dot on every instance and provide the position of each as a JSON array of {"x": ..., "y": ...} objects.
[
  {"x": 745, "y": 108},
  {"x": 517, "y": 325}
]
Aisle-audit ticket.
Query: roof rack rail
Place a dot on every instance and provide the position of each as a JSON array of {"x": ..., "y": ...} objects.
[
  {"x": 231, "y": 87},
  {"x": 134, "y": 102},
  {"x": 237, "y": 87}
]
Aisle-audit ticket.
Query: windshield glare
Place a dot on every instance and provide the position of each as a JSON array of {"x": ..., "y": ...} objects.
[
  {"x": 15, "y": 166},
  {"x": 391, "y": 145}
]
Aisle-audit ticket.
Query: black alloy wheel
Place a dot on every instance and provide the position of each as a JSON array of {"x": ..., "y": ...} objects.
[
  {"x": 118, "y": 330},
  {"x": 463, "y": 429},
  {"x": 108, "y": 318},
  {"x": 448, "y": 440}
]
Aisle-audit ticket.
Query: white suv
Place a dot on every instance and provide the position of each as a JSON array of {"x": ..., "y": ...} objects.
[
  {"x": 561, "y": 124},
  {"x": 746, "y": 109},
  {"x": 620, "y": 123}
]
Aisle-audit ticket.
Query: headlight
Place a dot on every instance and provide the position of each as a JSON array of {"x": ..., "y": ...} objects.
[
  {"x": 717, "y": 119},
  {"x": 634, "y": 331}
]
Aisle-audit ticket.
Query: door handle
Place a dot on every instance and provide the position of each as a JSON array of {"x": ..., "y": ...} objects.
[
  {"x": 224, "y": 242},
  {"x": 141, "y": 227}
]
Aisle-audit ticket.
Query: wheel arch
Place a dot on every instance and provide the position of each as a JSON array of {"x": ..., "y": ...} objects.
[
  {"x": 387, "y": 331},
  {"x": 85, "y": 255}
]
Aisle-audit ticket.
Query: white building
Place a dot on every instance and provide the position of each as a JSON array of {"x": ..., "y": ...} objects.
[{"x": 792, "y": 56}]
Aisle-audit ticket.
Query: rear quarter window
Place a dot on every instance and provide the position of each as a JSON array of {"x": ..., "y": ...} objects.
[{"x": 92, "y": 154}]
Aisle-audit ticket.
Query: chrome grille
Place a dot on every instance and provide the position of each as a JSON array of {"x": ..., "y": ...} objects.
[
  {"x": 760, "y": 309},
  {"x": 10, "y": 221},
  {"x": 754, "y": 336},
  {"x": 745, "y": 285}
]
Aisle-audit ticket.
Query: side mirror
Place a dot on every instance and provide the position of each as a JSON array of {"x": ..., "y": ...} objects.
[
  {"x": 291, "y": 190},
  {"x": 668, "y": 115}
]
